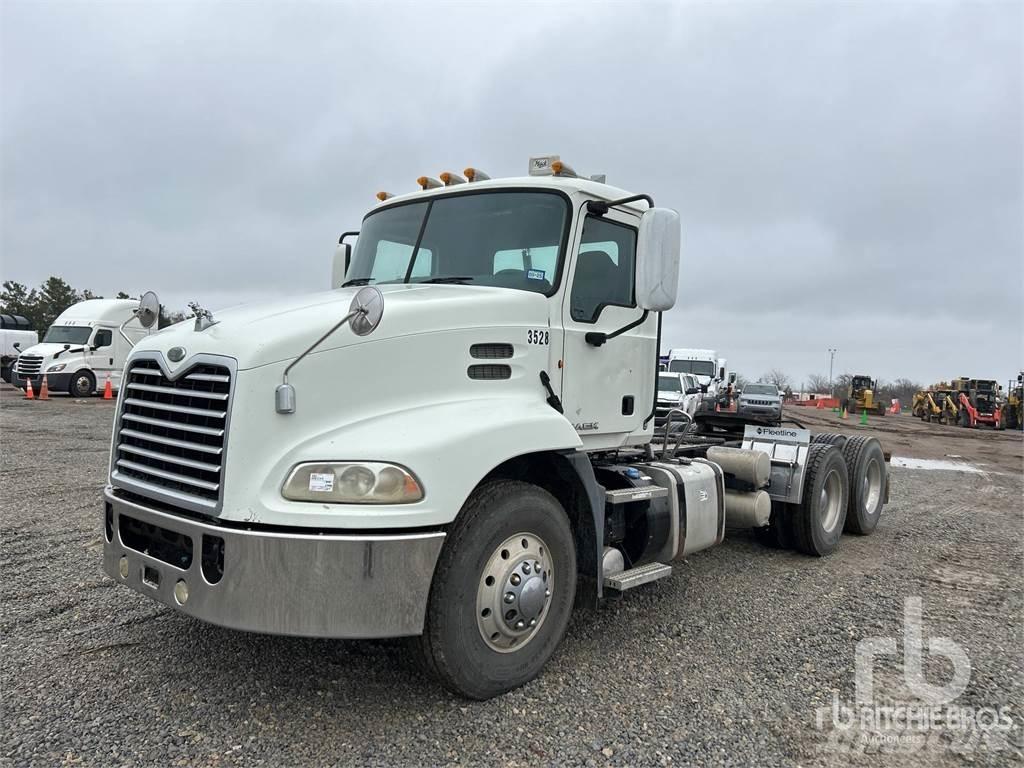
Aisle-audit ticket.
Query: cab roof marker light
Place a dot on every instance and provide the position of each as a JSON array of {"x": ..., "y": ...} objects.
[
  {"x": 428, "y": 182},
  {"x": 382, "y": 196},
  {"x": 449, "y": 179},
  {"x": 475, "y": 174},
  {"x": 558, "y": 168}
]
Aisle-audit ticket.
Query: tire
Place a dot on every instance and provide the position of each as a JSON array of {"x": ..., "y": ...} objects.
[
  {"x": 779, "y": 533},
  {"x": 829, "y": 438},
  {"x": 865, "y": 465},
  {"x": 818, "y": 520},
  {"x": 82, "y": 384},
  {"x": 964, "y": 417},
  {"x": 482, "y": 545}
]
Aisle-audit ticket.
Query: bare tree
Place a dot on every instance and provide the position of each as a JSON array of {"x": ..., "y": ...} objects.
[
  {"x": 817, "y": 383},
  {"x": 778, "y": 378}
]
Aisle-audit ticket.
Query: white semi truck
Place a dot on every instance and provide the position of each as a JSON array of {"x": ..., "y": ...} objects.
[
  {"x": 455, "y": 444},
  {"x": 88, "y": 342}
]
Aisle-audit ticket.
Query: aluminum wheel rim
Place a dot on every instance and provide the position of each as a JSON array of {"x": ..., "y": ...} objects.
[
  {"x": 82, "y": 384},
  {"x": 831, "y": 493},
  {"x": 514, "y": 592},
  {"x": 871, "y": 488}
]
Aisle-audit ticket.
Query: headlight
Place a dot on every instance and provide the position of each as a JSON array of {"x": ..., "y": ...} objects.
[
  {"x": 56, "y": 368},
  {"x": 346, "y": 482}
]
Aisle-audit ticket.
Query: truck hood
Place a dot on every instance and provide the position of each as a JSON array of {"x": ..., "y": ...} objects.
[
  {"x": 670, "y": 395},
  {"x": 264, "y": 333},
  {"x": 47, "y": 351}
]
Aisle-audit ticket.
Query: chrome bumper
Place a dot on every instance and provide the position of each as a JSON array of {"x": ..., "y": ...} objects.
[{"x": 344, "y": 586}]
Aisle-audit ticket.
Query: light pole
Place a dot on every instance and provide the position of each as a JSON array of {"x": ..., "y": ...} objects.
[{"x": 831, "y": 359}]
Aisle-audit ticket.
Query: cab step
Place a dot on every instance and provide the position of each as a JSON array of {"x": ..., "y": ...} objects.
[{"x": 634, "y": 577}]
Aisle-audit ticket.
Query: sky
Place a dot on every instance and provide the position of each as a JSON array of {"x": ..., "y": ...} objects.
[{"x": 849, "y": 175}]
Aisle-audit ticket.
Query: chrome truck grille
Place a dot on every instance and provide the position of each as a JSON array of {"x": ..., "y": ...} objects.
[
  {"x": 29, "y": 365},
  {"x": 171, "y": 434}
]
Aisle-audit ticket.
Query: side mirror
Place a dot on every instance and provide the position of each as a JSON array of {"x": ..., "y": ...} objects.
[
  {"x": 149, "y": 310},
  {"x": 339, "y": 267},
  {"x": 704, "y": 388},
  {"x": 721, "y": 372},
  {"x": 17, "y": 345},
  {"x": 67, "y": 346},
  {"x": 732, "y": 378},
  {"x": 693, "y": 390},
  {"x": 657, "y": 260},
  {"x": 93, "y": 347}
]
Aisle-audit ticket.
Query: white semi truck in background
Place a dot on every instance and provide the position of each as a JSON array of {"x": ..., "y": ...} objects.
[
  {"x": 455, "y": 444},
  {"x": 16, "y": 333},
  {"x": 88, "y": 342}
]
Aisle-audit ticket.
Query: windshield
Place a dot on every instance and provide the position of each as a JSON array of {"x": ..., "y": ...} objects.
[
  {"x": 760, "y": 389},
  {"x": 505, "y": 239},
  {"x": 699, "y": 367},
  {"x": 67, "y": 334},
  {"x": 669, "y": 384}
]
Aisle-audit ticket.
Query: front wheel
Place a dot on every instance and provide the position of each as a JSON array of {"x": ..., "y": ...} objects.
[
  {"x": 502, "y": 593},
  {"x": 82, "y": 384}
]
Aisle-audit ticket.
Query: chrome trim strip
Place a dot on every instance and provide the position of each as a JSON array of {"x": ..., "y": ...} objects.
[
  {"x": 174, "y": 408},
  {"x": 173, "y": 425},
  {"x": 168, "y": 475},
  {"x": 192, "y": 464},
  {"x": 179, "y": 392},
  {"x": 171, "y": 441}
]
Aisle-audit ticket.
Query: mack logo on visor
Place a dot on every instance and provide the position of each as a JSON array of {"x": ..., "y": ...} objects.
[{"x": 176, "y": 354}]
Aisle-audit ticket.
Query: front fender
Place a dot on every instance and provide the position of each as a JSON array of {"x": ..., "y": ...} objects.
[{"x": 450, "y": 447}]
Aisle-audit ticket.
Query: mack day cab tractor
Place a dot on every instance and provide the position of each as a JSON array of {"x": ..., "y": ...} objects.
[
  {"x": 455, "y": 444},
  {"x": 87, "y": 342}
]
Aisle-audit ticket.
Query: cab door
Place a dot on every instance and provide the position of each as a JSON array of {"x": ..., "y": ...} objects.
[
  {"x": 101, "y": 360},
  {"x": 607, "y": 390}
]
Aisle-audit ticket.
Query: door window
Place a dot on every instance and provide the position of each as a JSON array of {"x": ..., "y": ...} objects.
[
  {"x": 103, "y": 339},
  {"x": 605, "y": 269}
]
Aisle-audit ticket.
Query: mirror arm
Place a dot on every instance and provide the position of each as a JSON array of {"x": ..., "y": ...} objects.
[
  {"x": 600, "y": 207},
  {"x": 597, "y": 338},
  {"x": 124, "y": 335}
]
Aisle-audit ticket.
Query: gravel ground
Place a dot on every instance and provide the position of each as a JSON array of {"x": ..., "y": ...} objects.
[{"x": 724, "y": 663}]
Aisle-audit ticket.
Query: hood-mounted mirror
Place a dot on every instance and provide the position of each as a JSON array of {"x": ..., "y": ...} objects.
[
  {"x": 364, "y": 315},
  {"x": 147, "y": 313}
]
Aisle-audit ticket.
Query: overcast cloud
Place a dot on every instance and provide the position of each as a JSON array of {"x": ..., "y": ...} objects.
[{"x": 849, "y": 175}]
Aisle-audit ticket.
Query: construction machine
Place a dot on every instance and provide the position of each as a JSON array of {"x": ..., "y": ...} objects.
[
  {"x": 860, "y": 396},
  {"x": 977, "y": 402},
  {"x": 935, "y": 405},
  {"x": 1013, "y": 411}
]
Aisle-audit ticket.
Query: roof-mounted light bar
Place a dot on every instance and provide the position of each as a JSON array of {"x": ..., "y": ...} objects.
[
  {"x": 448, "y": 179},
  {"x": 428, "y": 182},
  {"x": 550, "y": 165},
  {"x": 475, "y": 174}
]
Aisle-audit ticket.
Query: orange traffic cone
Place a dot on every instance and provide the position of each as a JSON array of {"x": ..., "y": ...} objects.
[
  {"x": 821, "y": 404},
  {"x": 108, "y": 390},
  {"x": 844, "y": 416},
  {"x": 44, "y": 391},
  {"x": 29, "y": 394}
]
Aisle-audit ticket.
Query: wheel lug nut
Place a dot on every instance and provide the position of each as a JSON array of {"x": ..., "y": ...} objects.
[
  {"x": 510, "y": 597},
  {"x": 516, "y": 578},
  {"x": 547, "y": 593},
  {"x": 526, "y": 567},
  {"x": 520, "y": 624},
  {"x": 533, "y": 622}
]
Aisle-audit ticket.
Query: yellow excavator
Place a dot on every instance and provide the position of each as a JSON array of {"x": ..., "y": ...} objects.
[{"x": 860, "y": 396}]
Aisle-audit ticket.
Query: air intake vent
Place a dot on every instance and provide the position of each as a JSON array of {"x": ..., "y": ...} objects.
[
  {"x": 171, "y": 434},
  {"x": 491, "y": 352},
  {"x": 491, "y": 372}
]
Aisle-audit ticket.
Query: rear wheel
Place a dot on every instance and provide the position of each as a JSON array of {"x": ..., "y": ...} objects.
[
  {"x": 829, "y": 438},
  {"x": 83, "y": 384},
  {"x": 818, "y": 520},
  {"x": 502, "y": 593},
  {"x": 865, "y": 464}
]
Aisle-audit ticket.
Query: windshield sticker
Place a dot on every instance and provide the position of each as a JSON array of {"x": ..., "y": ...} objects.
[
  {"x": 321, "y": 482},
  {"x": 535, "y": 274}
]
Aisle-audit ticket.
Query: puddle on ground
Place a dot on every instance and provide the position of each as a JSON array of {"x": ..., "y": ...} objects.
[{"x": 954, "y": 466}]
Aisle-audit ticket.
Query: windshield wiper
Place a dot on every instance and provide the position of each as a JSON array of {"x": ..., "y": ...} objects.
[
  {"x": 449, "y": 279},
  {"x": 356, "y": 281}
]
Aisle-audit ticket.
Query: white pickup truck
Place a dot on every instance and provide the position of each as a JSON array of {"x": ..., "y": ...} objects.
[{"x": 456, "y": 443}]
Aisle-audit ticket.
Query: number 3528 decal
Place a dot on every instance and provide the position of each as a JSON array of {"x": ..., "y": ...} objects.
[{"x": 536, "y": 337}]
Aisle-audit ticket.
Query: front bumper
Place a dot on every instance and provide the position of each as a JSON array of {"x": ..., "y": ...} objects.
[
  {"x": 57, "y": 382},
  {"x": 760, "y": 411},
  {"x": 314, "y": 585}
]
